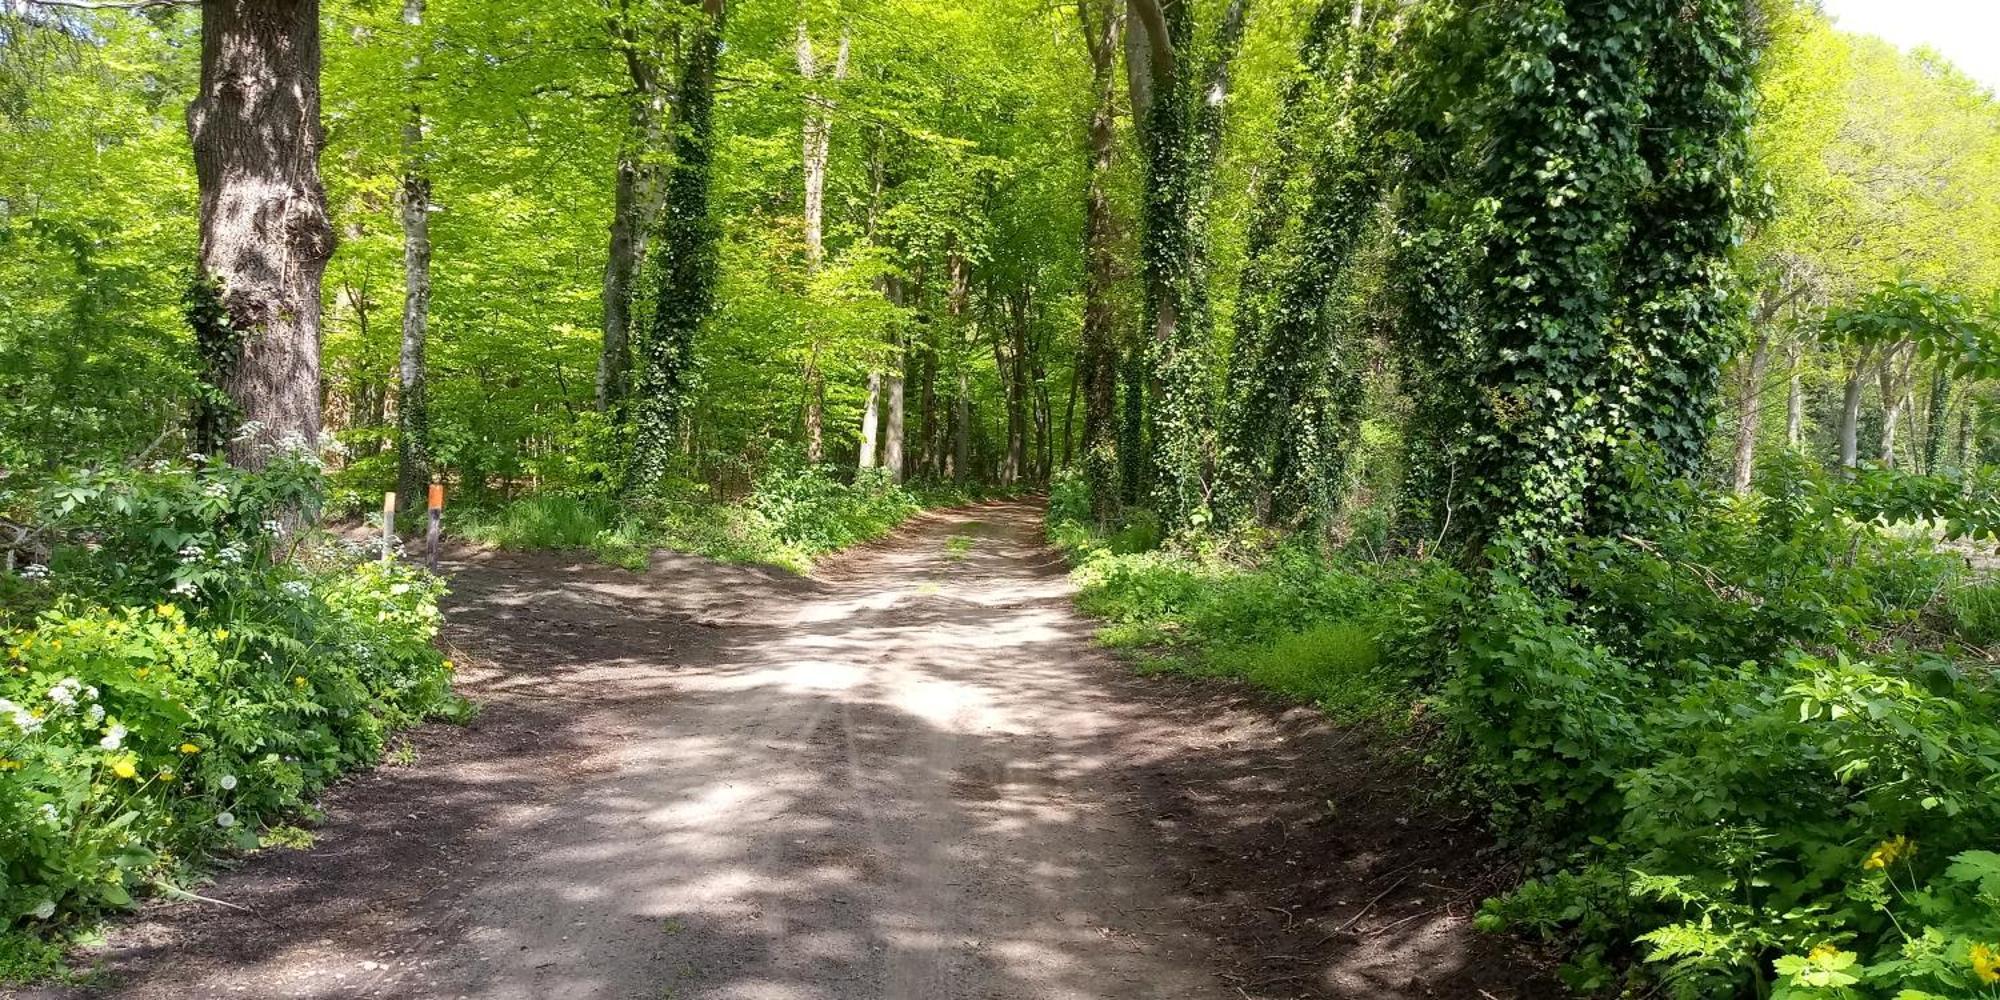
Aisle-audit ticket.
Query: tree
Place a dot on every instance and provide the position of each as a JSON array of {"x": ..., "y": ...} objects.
[
  {"x": 817, "y": 132},
  {"x": 1103, "y": 28},
  {"x": 413, "y": 447},
  {"x": 265, "y": 238},
  {"x": 683, "y": 265}
]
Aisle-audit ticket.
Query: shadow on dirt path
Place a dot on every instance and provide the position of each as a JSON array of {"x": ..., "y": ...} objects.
[{"x": 912, "y": 777}]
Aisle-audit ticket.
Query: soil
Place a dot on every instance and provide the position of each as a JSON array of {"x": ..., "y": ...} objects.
[{"x": 912, "y": 776}]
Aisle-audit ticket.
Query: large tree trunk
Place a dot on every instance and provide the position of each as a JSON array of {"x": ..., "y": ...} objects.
[
  {"x": 816, "y": 143},
  {"x": 413, "y": 435},
  {"x": 1748, "y": 399},
  {"x": 635, "y": 201},
  {"x": 1850, "y": 408},
  {"x": 1099, "y": 358},
  {"x": 264, "y": 237}
]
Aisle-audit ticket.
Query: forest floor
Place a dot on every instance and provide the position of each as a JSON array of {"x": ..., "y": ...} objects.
[{"x": 911, "y": 777}]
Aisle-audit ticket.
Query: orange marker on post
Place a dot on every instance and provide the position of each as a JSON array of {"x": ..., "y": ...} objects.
[{"x": 436, "y": 522}]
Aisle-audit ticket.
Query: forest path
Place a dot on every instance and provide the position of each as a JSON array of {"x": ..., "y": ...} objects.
[{"x": 910, "y": 778}]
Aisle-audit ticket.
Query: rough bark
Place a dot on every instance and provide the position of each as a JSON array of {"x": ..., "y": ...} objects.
[
  {"x": 264, "y": 236},
  {"x": 413, "y": 436}
]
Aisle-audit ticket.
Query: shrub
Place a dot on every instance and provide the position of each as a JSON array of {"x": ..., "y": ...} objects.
[{"x": 166, "y": 692}]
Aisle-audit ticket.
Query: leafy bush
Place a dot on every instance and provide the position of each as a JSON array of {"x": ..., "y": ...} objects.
[
  {"x": 1730, "y": 716},
  {"x": 166, "y": 691}
]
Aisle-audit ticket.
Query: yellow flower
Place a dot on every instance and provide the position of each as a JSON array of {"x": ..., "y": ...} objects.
[
  {"x": 1888, "y": 853},
  {"x": 190, "y": 748},
  {"x": 124, "y": 769},
  {"x": 299, "y": 681},
  {"x": 142, "y": 672},
  {"x": 163, "y": 610},
  {"x": 9, "y": 764},
  {"x": 1986, "y": 963},
  {"x": 55, "y": 643},
  {"x": 1824, "y": 952},
  {"x": 221, "y": 634},
  {"x": 448, "y": 665}
]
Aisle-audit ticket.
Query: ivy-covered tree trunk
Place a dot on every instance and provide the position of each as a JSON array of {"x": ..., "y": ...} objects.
[
  {"x": 683, "y": 265},
  {"x": 413, "y": 445},
  {"x": 1098, "y": 360},
  {"x": 635, "y": 200},
  {"x": 264, "y": 236}
]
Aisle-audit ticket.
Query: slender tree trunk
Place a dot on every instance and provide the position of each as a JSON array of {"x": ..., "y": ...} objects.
[
  {"x": 1850, "y": 408},
  {"x": 1748, "y": 395},
  {"x": 1895, "y": 395},
  {"x": 1795, "y": 399},
  {"x": 1016, "y": 373},
  {"x": 892, "y": 432},
  {"x": 1069, "y": 423},
  {"x": 961, "y": 439},
  {"x": 413, "y": 446},
  {"x": 870, "y": 416},
  {"x": 264, "y": 236},
  {"x": 816, "y": 143}
]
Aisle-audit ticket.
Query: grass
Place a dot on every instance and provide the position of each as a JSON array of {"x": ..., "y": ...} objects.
[{"x": 1286, "y": 620}]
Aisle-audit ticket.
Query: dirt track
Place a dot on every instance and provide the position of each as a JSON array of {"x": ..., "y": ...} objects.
[{"x": 910, "y": 778}]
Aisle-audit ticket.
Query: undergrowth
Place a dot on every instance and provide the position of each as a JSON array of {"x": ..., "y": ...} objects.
[
  {"x": 185, "y": 666},
  {"x": 1749, "y": 746},
  {"x": 793, "y": 515}
]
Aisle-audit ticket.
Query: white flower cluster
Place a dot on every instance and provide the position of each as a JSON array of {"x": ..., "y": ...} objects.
[
  {"x": 185, "y": 587},
  {"x": 50, "y": 814},
  {"x": 192, "y": 552},
  {"x": 273, "y": 526},
  {"x": 64, "y": 694},
  {"x": 215, "y": 488},
  {"x": 22, "y": 719},
  {"x": 231, "y": 554},
  {"x": 296, "y": 589},
  {"x": 34, "y": 571},
  {"x": 249, "y": 429},
  {"x": 113, "y": 737}
]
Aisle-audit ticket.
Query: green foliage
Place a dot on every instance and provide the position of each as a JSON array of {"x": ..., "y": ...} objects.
[
  {"x": 169, "y": 684},
  {"x": 1729, "y": 713},
  {"x": 1975, "y": 612}
]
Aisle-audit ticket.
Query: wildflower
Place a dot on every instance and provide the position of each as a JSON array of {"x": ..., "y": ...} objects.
[
  {"x": 113, "y": 737},
  {"x": 43, "y": 910},
  {"x": 190, "y": 748},
  {"x": 64, "y": 693},
  {"x": 228, "y": 782},
  {"x": 124, "y": 769},
  {"x": 191, "y": 552},
  {"x": 90, "y": 693},
  {"x": 1888, "y": 853},
  {"x": 196, "y": 457},
  {"x": 1823, "y": 952},
  {"x": 221, "y": 634},
  {"x": 50, "y": 815},
  {"x": 273, "y": 526},
  {"x": 225, "y": 819},
  {"x": 163, "y": 610},
  {"x": 299, "y": 681},
  {"x": 166, "y": 774},
  {"x": 449, "y": 667},
  {"x": 22, "y": 719},
  {"x": 296, "y": 588},
  {"x": 1986, "y": 963},
  {"x": 94, "y": 715},
  {"x": 34, "y": 571},
  {"x": 185, "y": 588},
  {"x": 9, "y": 764}
]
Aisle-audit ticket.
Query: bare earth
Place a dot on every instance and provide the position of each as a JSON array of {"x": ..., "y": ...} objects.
[{"x": 912, "y": 777}]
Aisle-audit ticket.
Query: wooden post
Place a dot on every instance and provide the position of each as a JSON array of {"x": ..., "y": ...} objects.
[
  {"x": 388, "y": 525},
  {"x": 437, "y": 523}
]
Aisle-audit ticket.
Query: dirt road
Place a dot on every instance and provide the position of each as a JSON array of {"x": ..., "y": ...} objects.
[{"x": 912, "y": 778}]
